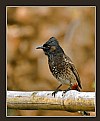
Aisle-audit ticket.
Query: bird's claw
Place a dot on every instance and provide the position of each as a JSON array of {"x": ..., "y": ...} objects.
[
  {"x": 54, "y": 93},
  {"x": 65, "y": 91}
]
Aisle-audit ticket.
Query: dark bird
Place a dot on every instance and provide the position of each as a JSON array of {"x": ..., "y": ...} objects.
[{"x": 61, "y": 65}]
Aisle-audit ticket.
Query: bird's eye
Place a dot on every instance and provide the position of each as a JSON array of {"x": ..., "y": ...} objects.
[{"x": 48, "y": 46}]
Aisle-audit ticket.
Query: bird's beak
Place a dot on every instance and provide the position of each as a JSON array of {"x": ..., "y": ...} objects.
[{"x": 40, "y": 47}]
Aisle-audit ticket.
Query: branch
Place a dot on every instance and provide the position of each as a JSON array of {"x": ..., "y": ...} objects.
[{"x": 43, "y": 100}]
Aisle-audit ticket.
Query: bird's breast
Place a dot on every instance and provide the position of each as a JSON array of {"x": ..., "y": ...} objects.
[{"x": 61, "y": 71}]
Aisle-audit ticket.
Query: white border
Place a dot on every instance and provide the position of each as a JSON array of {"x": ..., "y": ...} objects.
[{"x": 95, "y": 60}]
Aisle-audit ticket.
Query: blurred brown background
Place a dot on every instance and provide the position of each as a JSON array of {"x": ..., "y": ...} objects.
[{"x": 27, "y": 68}]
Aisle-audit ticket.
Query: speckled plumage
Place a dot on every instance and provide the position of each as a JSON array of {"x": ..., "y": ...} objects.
[
  {"x": 60, "y": 64},
  {"x": 63, "y": 69}
]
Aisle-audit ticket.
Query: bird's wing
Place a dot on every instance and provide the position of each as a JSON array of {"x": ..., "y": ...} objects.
[{"x": 72, "y": 67}]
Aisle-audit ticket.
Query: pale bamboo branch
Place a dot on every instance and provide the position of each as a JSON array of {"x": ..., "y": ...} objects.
[{"x": 43, "y": 100}]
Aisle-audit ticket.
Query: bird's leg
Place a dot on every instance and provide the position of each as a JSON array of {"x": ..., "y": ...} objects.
[
  {"x": 66, "y": 90},
  {"x": 69, "y": 88},
  {"x": 56, "y": 90}
]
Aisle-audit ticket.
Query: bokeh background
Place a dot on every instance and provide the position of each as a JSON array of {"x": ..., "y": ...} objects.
[{"x": 27, "y": 68}]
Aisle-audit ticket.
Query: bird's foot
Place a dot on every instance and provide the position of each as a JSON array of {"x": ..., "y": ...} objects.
[
  {"x": 54, "y": 93},
  {"x": 66, "y": 91}
]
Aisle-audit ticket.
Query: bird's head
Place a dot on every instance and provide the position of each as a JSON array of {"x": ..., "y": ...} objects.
[{"x": 51, "y": 46}]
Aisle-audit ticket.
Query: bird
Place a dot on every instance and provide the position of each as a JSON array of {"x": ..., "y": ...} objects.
[{"x": 61, "y": 66}]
